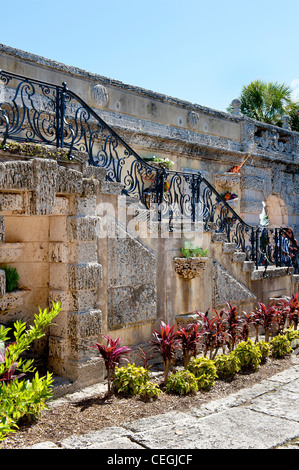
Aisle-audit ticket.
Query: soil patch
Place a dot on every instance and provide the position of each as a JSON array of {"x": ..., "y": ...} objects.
[{"x": 97, "y": 412}]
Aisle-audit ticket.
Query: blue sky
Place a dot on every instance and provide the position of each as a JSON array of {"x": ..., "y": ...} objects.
[{"x": 200, "y": 51}]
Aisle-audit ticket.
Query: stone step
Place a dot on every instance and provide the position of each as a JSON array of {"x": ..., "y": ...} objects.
[
  {"x": 229, "y": 247},
  {"x": 219, "y": 237},
  {"x": 98, "y": 173},
  {"x": 272, "y": 272},
  {"x": 239, "y": 257},
  {"x": 248, "y": 266},
  {"x": 111, "y": 187}
]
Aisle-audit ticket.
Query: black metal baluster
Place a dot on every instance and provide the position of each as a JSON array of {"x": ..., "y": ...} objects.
[
  {"x": 277, "y": 247},
  {"x": 256, "y": 248}
]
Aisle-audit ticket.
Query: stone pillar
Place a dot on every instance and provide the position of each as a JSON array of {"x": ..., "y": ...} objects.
[{"x": 75, "y": 277}]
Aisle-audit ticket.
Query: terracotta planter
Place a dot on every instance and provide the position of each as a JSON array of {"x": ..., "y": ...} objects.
[{"x": 189, "y": 268}]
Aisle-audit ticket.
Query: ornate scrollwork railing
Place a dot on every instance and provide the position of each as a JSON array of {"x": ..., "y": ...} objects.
[{"x": 36, "y": 111}]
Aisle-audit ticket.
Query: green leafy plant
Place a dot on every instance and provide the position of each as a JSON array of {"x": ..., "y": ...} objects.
[
  {"x": 149, "y": 391},
  {"x": 20, "y": 399},
  {"x": 291, "y": 334},
  {"x": 266, "y": 101},
  {"x": 227, "y": 365},
  {"x": 12, "y": 278},
  {"x": 188, "y": 251},
  {"x": 111, "y": 353},
  {"x": 182, "y": 383},
  {"x": 129, "y": 379},
  {"x": 166, "y": 343},
  {"x": 249, "y": 355},
  {"x": 280, "y": 346},
  {"x": 204, "y": 370},
  {"x": 163, "y": 162},
  {"x": 265, "y": 349}
]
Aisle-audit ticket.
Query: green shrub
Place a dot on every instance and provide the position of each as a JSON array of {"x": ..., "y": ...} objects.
[
  {"x": 227, "y": 364},
  {"x": 280, "y": 346},
  {"x": 129, "y": 379},
  {"x": 249, "y": 355},
  {"x": 204, "y": 370},
  {"x": 265, "y": 349},
  {"x": 182, "y": 383},
  {"x": 292, "y": 335},
  {"x": 22, "y": 399},
  {"x": 149, "y": 391},
  {"x": 189, "y": 251},
  {"x": 12, "y": 278}
]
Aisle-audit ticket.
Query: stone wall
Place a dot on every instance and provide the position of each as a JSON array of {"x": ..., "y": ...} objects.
[{"x": 75, "y": 239}]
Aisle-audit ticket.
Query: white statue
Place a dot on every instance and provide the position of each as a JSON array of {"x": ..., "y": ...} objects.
[{"x": 264, "y": 219}]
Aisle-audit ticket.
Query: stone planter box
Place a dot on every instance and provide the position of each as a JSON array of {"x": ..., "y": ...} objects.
[
  {"x": 189, "y": 268},
  {"x": 12, "y": 300},
  {"x": 227, "y": 180},
  {"x": 186, "y": 318}
]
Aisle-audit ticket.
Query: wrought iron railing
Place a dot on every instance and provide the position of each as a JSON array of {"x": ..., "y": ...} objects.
[{"x": 40, "y": 112}]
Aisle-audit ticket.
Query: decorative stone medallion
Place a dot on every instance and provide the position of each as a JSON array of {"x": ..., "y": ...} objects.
[
  {"x": 100, "y": 95},
  {"x": 193, "y": 120}
]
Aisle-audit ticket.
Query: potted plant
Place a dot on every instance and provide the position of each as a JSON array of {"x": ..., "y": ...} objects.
[
  {"x": 193, "y": 261},
  {"x": 156, "y": 162}
]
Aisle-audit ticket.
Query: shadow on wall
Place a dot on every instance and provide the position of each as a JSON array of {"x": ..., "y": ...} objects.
[{"x": 277, "y": 211}]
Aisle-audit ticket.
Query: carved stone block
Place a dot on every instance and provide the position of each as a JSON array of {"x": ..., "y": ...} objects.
[
  {"x": 68, "y": 181},
  {"x": 189, "y": 268},
  {"x": 44, "y": 186},
  {"x": 61, "y": 206},
  {"x": 83, "y": 252},
  {"x": 12, "y": 203},
  {"x": 84, "y": 329},
  {"x": 83, "y": 228},
  {"x": 85, "y": 276},
  {"x": 10, "y": 252},
  {"x": 16, "y": 175}
]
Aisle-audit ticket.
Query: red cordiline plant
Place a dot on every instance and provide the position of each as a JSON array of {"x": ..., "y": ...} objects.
[
  {"x": 188, "y": 337},
  {"x": 214, "y": 332},
  {"x": 249, "y": 319},
  {"x": 145, "y": 356},
  {"x": 111, "y": 353},
  {"x": 9, "y": 373},
  {"x": 267, "y": 317},
  {"x": 166, "y": 342},
  {"x": 234, "y": 324},
  {"x": 291, "y": 308}
]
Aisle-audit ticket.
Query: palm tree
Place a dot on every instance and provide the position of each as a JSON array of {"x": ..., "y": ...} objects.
[{"x": 267, "y": 102}]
